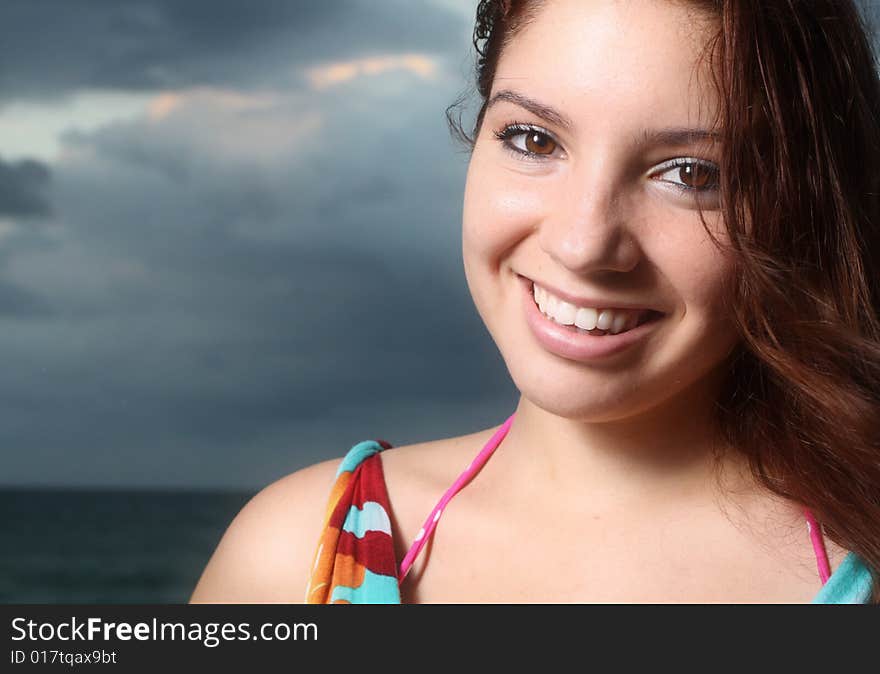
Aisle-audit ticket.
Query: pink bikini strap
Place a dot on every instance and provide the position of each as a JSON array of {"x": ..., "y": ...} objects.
[
  {"x": 813, "y": 527},
  {"x": 474, "y": 468},
  {"x": 815, "y": 531}
]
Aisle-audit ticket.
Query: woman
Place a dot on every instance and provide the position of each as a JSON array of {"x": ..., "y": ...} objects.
[{"x": 671, "y": 230}]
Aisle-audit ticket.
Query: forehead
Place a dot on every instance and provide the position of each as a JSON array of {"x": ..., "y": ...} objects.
[{"x": 630, "y": 61}]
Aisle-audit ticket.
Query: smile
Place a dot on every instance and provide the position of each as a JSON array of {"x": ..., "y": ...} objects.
[
  {"x": 590, "y": 320},
  {"x": 583, "y": 333}
]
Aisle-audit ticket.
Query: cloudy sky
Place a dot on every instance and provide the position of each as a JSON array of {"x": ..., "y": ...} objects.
[{"x": 230, "y": 238}]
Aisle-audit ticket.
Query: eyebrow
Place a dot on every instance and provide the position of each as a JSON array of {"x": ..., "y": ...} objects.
[
  {"x": 545, "y": 112},
  {"x": 669, "y": 136}
]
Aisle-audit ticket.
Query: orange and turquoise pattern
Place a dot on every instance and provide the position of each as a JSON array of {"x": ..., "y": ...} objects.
[{"x": 355, "y": 562}]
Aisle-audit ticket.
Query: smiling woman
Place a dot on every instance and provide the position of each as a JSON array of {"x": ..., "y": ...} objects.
[{"x": 670, "y": 228}]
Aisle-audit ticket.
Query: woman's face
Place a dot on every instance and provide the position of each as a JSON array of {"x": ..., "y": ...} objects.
[{"x": 599, "y": 209}]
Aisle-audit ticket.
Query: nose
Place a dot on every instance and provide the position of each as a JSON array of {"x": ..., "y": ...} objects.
[{"x": 586, "y": 230}]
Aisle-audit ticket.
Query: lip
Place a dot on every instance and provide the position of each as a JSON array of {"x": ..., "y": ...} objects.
[{"x": 569, "y": 342}]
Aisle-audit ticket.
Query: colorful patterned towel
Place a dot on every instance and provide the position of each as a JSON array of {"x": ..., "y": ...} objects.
[{"x": 354, "y": 562}]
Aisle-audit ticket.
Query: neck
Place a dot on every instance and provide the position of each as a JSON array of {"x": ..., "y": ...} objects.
[{"x": 664, "y": 455}]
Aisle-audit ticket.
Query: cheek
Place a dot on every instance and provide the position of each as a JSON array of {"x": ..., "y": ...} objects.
[
  {"x": 704, "y": 283},
  {"x": 695, "y": 267},
  {"x": 500, "y": 208}
]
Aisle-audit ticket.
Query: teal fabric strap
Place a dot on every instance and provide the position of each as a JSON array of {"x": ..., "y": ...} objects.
[
  {"x": 849, "y": 584},
  {"x": 357, "y": 454}
]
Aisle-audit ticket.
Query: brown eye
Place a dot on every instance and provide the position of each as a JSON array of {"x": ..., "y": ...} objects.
[
  {"x": 535, "y": 144},
  {"x": 695, "y": 176},
  {"x": 538, "y": 143},
  {"x": 691, "y": 176}
]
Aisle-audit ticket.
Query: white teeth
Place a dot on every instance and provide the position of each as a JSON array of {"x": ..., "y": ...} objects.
[
  {"x": 586, "y": 318},
  {"x": 605, "y": 318},
  {"x": 564, "y": 313}
]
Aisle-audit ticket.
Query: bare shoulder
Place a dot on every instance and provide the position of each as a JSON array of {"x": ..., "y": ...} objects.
[
  {"x": 431, "y": 465},
  {"x": 266, "y": 553}
]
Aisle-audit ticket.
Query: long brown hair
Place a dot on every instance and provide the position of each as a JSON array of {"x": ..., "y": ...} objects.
[{"x": 800, "y": 198}]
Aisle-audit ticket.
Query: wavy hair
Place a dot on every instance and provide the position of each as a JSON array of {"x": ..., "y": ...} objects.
[{"x": 800, "y": 199}]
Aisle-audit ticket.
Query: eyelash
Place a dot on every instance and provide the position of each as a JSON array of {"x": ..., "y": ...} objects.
[{"x": 518, "y": 128}]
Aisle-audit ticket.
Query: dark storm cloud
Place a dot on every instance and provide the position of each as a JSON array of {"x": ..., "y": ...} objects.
[
  {"x": 52, "y": 47},
  {"x": 23, "y": 188},
  {"x": 340, "y": 271},
  {"x": 223, "y": 311},
  {"x": 20, "y": 303}
]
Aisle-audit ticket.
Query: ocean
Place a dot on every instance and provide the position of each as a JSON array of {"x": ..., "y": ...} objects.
[{"x": 108, "y": 547}]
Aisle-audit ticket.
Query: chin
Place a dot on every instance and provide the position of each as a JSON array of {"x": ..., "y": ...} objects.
[{"x": 582, "y": 401}]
